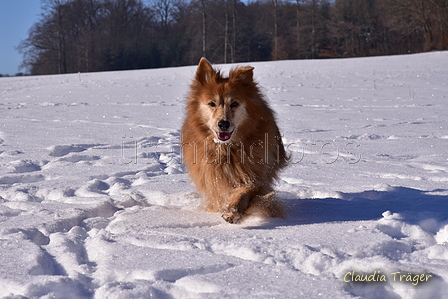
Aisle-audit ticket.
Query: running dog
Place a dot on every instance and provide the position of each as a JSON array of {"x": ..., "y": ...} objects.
[{"x": 231, "y": 144}]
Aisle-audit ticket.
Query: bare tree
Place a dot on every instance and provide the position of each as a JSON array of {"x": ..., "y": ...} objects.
[
  {"x": 233, "y": 46},
  {"x": 298, "y": 27},
  {"x": 226, "y": 31},
  {"x": 275, "y": 53},
  {"x": 421, "y": 11},
  {"x": 164, "y": 10},
  {"x": 96, "y": 35},
  {"x": 47, "y": 40},
  {"x": 204, "y": 24},
  {"x": 313, "y": 28}
]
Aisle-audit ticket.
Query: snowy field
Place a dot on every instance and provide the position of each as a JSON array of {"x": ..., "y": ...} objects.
[{"x": 94, "y": 201}]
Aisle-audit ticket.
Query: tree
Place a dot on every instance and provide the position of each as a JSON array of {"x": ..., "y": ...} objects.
[
  {"x": 45, "y": 48},
  {"x": 204, "y": 32},
  {"x": 97, "y": 35},
  {"x": 164, "y": 10},
  {"x": 298, "y": 28},
  {"x": 275, "y": 54}
]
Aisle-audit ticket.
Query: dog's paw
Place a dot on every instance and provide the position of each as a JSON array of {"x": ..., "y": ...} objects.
[{"x": 231, "y": 215}]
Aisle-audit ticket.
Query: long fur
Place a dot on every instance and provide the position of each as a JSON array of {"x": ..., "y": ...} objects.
[{"x": 236, "y": 176}]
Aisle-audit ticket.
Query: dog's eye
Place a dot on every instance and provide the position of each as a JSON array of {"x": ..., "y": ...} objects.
[
  {"x": 234, "y": 104},
  {"x": 212, "y": 104}
]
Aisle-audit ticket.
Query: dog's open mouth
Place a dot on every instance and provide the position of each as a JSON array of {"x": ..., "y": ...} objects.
[{"x": 224, "y": 136}]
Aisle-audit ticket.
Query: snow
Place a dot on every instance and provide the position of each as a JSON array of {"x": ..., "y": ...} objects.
[{"x": 95, "y": 203}]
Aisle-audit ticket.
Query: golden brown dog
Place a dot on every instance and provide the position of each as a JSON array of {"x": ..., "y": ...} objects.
[{"x": 231, "y": 144}]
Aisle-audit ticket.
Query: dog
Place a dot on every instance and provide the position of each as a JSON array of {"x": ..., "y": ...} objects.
[{"x": 231, "y": 145}]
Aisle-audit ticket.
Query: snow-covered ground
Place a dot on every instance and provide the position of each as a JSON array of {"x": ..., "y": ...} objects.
[{"x": 94, "y": 201}]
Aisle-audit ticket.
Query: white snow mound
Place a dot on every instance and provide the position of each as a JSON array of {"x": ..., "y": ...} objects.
[{"x": 95, "y": 203}]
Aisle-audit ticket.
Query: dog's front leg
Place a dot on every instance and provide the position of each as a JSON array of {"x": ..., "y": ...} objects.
[{"x": 238, "y": 204}]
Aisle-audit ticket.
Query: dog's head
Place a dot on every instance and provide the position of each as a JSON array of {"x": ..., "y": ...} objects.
[{"x": 223, "y": 102}]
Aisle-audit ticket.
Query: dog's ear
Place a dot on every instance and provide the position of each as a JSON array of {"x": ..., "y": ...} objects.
[
  {"x": 243, "y": 74},
  {"x": 205, "y": 72}
]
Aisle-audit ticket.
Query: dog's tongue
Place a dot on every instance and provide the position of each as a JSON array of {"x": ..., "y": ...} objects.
[{"x": 224, "y": 135}]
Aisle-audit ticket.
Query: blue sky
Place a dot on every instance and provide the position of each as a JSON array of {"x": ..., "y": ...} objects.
[{"x": 16, "y": 18}]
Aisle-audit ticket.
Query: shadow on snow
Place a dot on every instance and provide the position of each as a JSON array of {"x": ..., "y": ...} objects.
[{"x": 413, "y": 206}]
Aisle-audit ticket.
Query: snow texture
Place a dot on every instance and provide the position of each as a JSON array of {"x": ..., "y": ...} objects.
[{"x": 95, "y": 203}]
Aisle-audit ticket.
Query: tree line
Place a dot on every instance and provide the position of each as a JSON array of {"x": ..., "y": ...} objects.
[{"x": 103, "y": 35}]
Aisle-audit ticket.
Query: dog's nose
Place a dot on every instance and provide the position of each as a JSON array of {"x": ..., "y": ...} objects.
[{"x": 224, "y": 125}]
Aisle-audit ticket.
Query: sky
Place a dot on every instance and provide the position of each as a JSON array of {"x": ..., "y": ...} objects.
[{"x": 16, "y": 18}]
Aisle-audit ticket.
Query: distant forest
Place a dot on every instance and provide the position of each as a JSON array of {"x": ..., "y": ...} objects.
[{"x": 104, "y": 35}]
